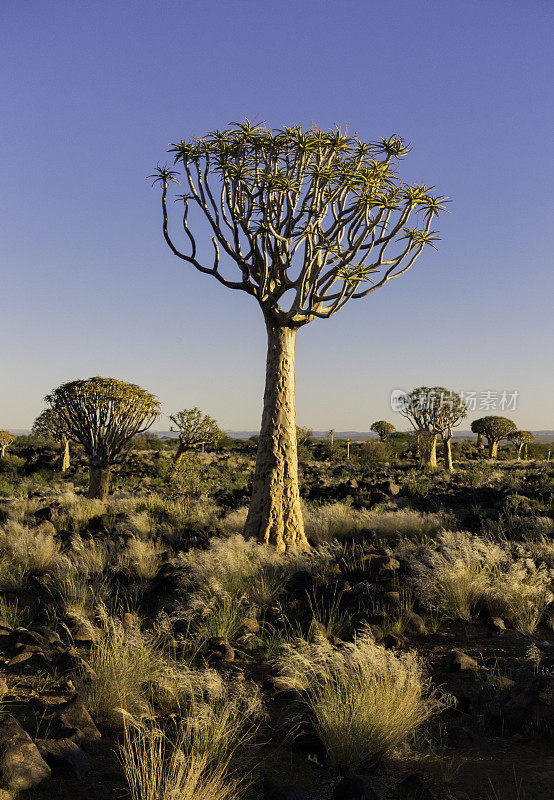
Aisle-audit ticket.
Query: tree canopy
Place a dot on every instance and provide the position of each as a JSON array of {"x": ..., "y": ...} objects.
[
  {"x": 6, "y": 439},
  {"x": 195, "y": 429},
  {"x": 495, "y": 429},
  {"x": 310, "y": 218},
  {"x": 383, "y": 429}
]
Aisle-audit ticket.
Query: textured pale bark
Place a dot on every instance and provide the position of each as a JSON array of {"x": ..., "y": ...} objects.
[
  {"x": 3, "y": 451},
  {"x": 275, "y": 515},
  {"x": 99, "y": 482},
  {"x": 519, "y": 449},
  {"x": 480, "y": 444},
  {"x": 493, "y": 449},
  {"x": 64, "y": 456},
  {"x": 448, "y": 455},
  {"x": 432, "y": 451}
]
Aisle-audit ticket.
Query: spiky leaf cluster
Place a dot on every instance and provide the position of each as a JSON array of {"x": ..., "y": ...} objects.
[
  {"x": 318, "y": 216},
  {"x": 51, "y": 425},
  {"x": 494, "y": 428},
  {"x": 103, "y": 414},
  {"x": 195, "y": 429},
  {"x": 434, "y": 409},
  {"x": 521, "y": 437}
]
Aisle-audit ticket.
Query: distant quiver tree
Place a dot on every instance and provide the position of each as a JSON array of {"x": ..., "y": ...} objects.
[
  {"x": 196, "y": 431},
  {"x": 6, "y": 439},
  {"x": 103, "y": 414},
  {"x": 307, "y": 220},
  {"x": 521, "y": 439},
  {"x": 51, "y": 425},
  {"x": 434, "y": 411},
  {"x": 495, "y": 429},
  {"x": 383, "y": 429},
  {"x": 477, "y": 427}
]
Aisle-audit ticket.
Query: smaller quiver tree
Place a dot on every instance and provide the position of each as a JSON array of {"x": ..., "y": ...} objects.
[
  {"x": 51, "y": 425},
  {"x": 196, "y": 431},
  {"x": 494, "y": 429},
  {"x": 383, "y": 429},
  {"x": 103, "y": 415},
  {"x": 434, "y": 411},
  {"x": 476, "y": 427},
  {"x": 6, "y": 439},
  {"x": 521, "y": 439}
]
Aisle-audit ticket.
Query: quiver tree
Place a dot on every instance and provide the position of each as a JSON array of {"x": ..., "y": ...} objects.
[
  {"x": 103, "y": 414},
  {"x": 495, "y": 429},
  {"x": 51, "y": 425},
  {"x": 307, "y": 220},
  {"x": 434, "y": 411},
  {"x": 331, "y": 436},
  {"x": 383, "y": 429},
  {"x": 477, "y": 427},
  {"x": 521, "y": 439},
  {"x": 6, "y": 439},
  {"x": 303, "y": 435},
  {"x": 196, "y": 431}
]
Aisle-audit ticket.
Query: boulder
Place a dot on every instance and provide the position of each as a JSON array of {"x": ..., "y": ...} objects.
[
  {"x": 528, "y": 708},
  {"x": 73, "y": 721},
  {"x": 64, "y": 752},
  {"x": 21, "y": 765},
  {"x": 457, "y": 661}
]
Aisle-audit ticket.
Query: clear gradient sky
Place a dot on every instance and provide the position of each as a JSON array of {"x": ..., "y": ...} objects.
[{"x": 94, "y": 90}]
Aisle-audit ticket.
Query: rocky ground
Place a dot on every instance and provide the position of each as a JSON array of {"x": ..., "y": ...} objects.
[{"x": 494, "y": 670}]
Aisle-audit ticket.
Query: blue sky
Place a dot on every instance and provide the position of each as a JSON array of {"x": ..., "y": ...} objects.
[{"x": 93, "y": 92}]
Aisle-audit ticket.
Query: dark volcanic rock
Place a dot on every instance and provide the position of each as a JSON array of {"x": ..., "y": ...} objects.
[
  {"x": 21, "y": 765},
  {"x": 528, "y": 708},
  {"x": 64, "y": 752}
]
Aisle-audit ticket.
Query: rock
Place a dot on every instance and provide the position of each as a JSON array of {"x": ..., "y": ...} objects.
[
  {"x": 73, "y": 721},
  {"x": 64, "y": 751},
  {"x": 528, "y": 708},
  {"x": 395, "y": 640},
  {"x": 30, "y": 657},
  {"x": 354, "y": 787},
  {"x": 129, "y": 621},
  {"x": 272, "y": 791},
  {"x": 21, "y": 765},
  {"x": 495, "y": 624},
  {"x": 250, "y": 625},
  {"x": 414, "y": 623},
  {"x": 220, "y": 649},
  {"x": 458, "y": 661},
  {"x": 82, "y": 631},
  {"x": 413, "y": 788}
]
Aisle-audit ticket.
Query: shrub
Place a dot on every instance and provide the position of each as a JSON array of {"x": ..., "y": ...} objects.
[
  {"x": 333, "y": 521},
  {"x": 156, "y": 767},
  {"x": 405, "y": 523},
  {"x": 455, "y": 577},
  {"x": 365, "y": 700}
]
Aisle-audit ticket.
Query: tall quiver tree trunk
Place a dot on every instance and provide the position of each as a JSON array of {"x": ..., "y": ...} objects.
[
  {"x": 493, "y": 448},
  {"x": 448, "y": 453},
  {"x": 275, "y": 515},
  {"x": 99, "y": 481},
  {"x": 480, "y": 444},
  {"x": 432, "y": 451},
  {"x": 64, "y": 455}
]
